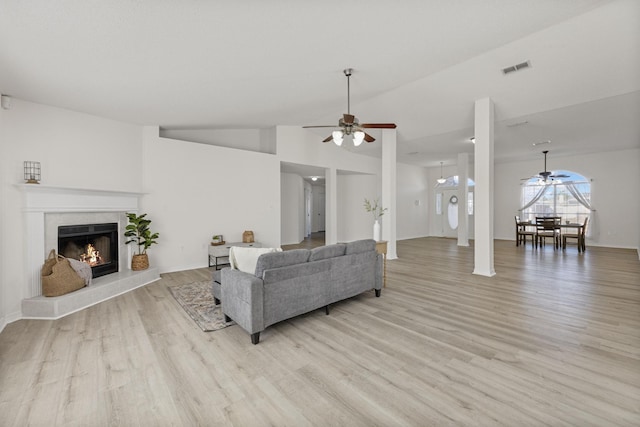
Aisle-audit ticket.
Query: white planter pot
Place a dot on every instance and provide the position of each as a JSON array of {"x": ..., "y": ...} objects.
[{"x": 376, "y": 230}]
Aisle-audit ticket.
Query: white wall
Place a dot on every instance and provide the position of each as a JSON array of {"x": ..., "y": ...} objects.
[
  {"x": 75, "y": 150},
  {"x": 259, "y": 140},
  {"x": 615, "y": 188},
  {"x": 354, "y": 222},
  {"x": 297, "y": 145},
  {"x": 413, "y": 202},
  {"x": 197, "y": 190},
  {"x": 292, "y": 217}
]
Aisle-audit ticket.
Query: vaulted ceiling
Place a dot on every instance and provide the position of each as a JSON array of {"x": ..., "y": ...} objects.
[{"x": 419, "y": 63}]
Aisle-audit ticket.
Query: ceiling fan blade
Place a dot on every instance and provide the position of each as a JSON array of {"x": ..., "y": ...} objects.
[
  {"x": 319, "y": 126},
  {"x": 348, "y": 119},
  {"x": 378, "y": 125},
  {"x": 368, "y": 137},
  {"x": 559, "y": 176},
  {"x": 327, "y": 139},
  {"x": 532, "y": 177}
]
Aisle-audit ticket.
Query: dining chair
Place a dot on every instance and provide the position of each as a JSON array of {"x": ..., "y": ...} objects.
[
  {"x": 579, "y": 235},
  {"x": 548, "y": 226},
  {"x": 522, "y": 233}
]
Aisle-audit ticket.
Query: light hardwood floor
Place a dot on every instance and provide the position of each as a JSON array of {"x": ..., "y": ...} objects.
[{"x": 552, "y": 339}]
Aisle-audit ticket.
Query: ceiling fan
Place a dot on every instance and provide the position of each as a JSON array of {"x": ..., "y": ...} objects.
[
  {"x": 544, "y": 175},
  {"x": 349, "y": 124}
]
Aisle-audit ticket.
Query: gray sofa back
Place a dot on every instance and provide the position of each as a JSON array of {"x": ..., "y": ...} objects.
[{"x": 287, "y": 284}]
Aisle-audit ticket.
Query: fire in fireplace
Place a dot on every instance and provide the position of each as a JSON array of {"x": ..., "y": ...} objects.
[{"x": 95, "y": 244}]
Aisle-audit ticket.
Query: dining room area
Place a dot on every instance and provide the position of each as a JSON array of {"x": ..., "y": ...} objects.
[{"x": 560, "y": 232}]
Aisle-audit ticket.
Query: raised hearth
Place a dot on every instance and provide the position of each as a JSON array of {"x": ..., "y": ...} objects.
[{"x": 102, "y": 289}]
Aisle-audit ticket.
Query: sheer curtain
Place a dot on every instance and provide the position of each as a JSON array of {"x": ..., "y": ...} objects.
[
  {"x": 575, "y": 192},
  {"x": 584, "y": 201},
  {"x": 536, "y": 197}
]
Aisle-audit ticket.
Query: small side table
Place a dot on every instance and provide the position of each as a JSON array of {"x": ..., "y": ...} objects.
[
  {"x": 381, "y": 248},
  {"x": 222, "y": 251}
]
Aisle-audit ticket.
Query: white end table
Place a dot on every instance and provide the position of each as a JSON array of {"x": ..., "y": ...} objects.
[{"x": 222, "y": 251}]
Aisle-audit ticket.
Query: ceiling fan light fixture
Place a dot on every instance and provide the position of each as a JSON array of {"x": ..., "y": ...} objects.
[
  {"x": 358, "y": 137},
  {"x": 350, "y": 125},
  {"x": 441, "y": 180},
  {"x": 338, "y": 136}
]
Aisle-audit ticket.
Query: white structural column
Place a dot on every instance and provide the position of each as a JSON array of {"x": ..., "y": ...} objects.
[
  {"x": 331, "y": 206},
  {"x": 463, "y": 189},
  {"x": 483, "y": 200},
  {"x": 389, "y": 190}
]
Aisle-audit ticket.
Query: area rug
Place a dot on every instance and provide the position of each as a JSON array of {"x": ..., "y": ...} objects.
[{"x": 197, "y": 301}]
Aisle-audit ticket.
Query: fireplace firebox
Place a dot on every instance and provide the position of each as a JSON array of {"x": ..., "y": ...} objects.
[{"x": 95, "y": 244}]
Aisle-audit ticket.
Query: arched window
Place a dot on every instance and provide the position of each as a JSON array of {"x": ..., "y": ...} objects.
[{"x": 569, "y": 198}]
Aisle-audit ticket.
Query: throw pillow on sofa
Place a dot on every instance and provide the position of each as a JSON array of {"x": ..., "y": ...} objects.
[{"x": 245, "y": 258}]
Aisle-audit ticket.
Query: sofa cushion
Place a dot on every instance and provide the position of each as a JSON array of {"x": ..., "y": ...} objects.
[
  {"x": 360, "y": 246},
  {"x": 280, "y": 259},
  {"x": 329, "y": 251},
  {"x": 245, "y": 258}
]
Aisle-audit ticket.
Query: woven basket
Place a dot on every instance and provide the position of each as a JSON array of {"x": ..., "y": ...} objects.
[
  {"x": 247, "y": 236},
  {"x": 58, "y": 277},
  {"x": 139, "y": 262}
]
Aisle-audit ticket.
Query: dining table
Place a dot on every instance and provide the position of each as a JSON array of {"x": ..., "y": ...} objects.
[{"x": 562, "y": 225}]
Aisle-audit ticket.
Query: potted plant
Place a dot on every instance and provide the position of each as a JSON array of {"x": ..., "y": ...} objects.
[
  {"x": 139, "y": 233},
  {"x": 377, "y": 212}
]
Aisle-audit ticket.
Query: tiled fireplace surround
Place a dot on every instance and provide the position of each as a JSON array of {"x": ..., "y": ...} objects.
[{"x": 46, "y": 208}]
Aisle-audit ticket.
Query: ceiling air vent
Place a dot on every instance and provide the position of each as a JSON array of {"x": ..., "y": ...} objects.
[{"x": 516, "y": 67}]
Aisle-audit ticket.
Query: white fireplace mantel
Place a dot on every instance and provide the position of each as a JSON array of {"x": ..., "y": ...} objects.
[
  {"x": 40, "y": 200},
  {"x": 45, "y": 198}
]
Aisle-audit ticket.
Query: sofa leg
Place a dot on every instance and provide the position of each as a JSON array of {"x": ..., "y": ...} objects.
[
  {"x": 255, "y": 338},
  {"x": 216, "y": 301},
  {"x": 326, "y": 309},
  {"x": 378, "y": 291},
  {"x": 227, "y": 318}
]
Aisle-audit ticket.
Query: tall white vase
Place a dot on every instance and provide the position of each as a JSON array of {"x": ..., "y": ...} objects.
[{"x": 376, "y": 231}]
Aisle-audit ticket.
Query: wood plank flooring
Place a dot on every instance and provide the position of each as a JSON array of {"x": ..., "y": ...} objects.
[{"x": 553, "y": 339}]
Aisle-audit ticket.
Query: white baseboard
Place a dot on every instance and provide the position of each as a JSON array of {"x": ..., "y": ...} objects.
[{"x": 9, "y": 318}]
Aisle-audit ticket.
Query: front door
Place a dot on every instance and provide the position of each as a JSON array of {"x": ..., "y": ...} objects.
[{"x": 450, "y": 213}]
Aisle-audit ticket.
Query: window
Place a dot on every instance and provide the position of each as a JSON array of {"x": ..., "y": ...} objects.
[{"x": 557, "y": 197}]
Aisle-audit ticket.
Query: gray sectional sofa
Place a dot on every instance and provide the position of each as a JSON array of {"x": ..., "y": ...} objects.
[{"x": 290, "y": 283}]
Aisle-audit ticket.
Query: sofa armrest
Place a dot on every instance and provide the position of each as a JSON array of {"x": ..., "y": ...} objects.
[{"x": 243, "y": 299}]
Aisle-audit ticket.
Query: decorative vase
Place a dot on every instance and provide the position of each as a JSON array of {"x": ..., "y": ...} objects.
[
  {"x": 139, "y": 262},
  {"x": 376, "y": 230}
]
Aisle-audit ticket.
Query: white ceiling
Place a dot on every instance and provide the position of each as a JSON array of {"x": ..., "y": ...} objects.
[{"x": 418, "y": 63}]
